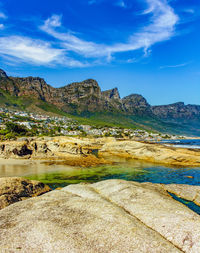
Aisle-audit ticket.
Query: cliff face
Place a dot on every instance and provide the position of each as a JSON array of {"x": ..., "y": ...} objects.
[
  {"x": 30, "y": 86},
  {"x": 177, "y": 111},
  {"x": 79, "y": 97},
  {"x": 3, "y": 74},
  {"x": 111, "y": 94},
  {"x": 87, "y": 96},
  {"x": 136, "y": 104},
  {"x": 83, "y": 96}
]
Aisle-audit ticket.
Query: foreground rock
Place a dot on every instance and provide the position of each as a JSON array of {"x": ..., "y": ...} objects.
[
  {"x": 109, "y": 216},
  {"x": 15, "y": 189},
  {"x": 82, "y": 151}
]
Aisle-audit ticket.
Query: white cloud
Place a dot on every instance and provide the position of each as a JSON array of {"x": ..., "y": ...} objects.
[
  {"x": 53, "y": 21},
  {"x": 121, "y": 4},
  {"x": 175, "y": 66},
  {"x": 160, "y": 28},
  {"x": 26, "y": 49},
  {"x": 131, "y": 60},
  {"x": 2, "y": 15},
  {"x": 191, "y": 11},
  {"x": 33, "y": 51},
  {"x": 71, "y": 42}
]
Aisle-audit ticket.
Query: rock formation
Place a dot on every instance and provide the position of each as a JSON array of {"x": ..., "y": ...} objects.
[
  {"x": 109, "y": 216},
  {"x": 15, "y": 189},
  {"x": 177, "y": 111},
  {"x": 87, "y": 96},
  {"x": 3, "y": 74},
  {"x": 70, "y": 149},
  {"x": 136, "y": 104},
  {"x": 111, "y": 94},
  {"x": 86, "y": 99}
]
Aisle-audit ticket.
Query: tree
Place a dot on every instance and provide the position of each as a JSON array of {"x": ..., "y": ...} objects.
[{"x": 15, "y": 128}]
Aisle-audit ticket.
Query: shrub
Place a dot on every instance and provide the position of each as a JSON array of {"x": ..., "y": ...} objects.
[{"x": 15, "y": 128}]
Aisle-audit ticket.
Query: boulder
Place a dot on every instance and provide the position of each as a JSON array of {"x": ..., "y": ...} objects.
[
  {"x": 108, "y": 216},
  {"x": 13, "y": 189}
]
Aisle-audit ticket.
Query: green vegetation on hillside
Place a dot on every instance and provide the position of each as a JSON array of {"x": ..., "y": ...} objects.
[
  {"x": 12, "y": 131},
  {"x": 99, "y": 119}
]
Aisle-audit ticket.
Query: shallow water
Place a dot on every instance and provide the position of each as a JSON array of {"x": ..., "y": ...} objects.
[{"x": 60, "y": 176}]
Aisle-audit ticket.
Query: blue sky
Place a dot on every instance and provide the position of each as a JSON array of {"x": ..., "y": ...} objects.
[{"x": 150, "y": 47}]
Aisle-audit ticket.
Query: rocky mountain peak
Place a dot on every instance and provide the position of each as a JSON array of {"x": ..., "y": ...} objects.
[
  {"x": 177, "y": 104},
  {"x": 86, "y": 96},
  {"x": 111, "y": 94},
  {"x": 177, "y": 111},
  {"x": 3, "y": 74},
  {"x": 135, "y": 103}
]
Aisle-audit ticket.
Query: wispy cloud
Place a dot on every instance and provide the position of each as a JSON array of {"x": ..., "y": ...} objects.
[
  {"x": 175, "y": 66},
  {"x": 2, "y": 15},
  {"x": 191, "y": 11},
  {"x": 68, "y": 46},
  {"x": 161, "y": 28},
  {"x": 71, "y": 42},
  {"x": 26, "y": 49},
  {"x": 121, "y": 4},
  {"x": 34, "y": 51}
]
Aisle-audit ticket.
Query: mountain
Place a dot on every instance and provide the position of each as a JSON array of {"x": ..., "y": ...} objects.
[
  {"x": 135, "y": 104},
  {"x": 77, "y": 97},
  {"x": 86, "y": 99},
  {"x": 177, "y": 111}
]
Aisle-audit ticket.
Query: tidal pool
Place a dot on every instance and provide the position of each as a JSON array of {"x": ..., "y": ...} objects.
[{"x": 59, "y": 176}]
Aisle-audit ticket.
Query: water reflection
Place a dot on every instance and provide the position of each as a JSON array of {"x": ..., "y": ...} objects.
[{"x": 59, "y": 175}]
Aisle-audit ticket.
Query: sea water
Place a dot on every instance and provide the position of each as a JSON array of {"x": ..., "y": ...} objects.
[{"x": 183, "y": 143}]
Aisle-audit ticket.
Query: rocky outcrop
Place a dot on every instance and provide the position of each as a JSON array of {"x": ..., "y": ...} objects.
[
  {"x": 154, "y": 153},
  {"x": 3, "y": 74},
  {"x": 109, "y": 216},
  {"x": 70, "y": 149},
  {"x": 83, "y": 96},
  {"x": 111, "y": 94},
  {"x": 79, "y": 97},
  {"x": 136, "y": 104},
  {"x": 86, "y": 96},
  {"x": 14, "y": 189}
]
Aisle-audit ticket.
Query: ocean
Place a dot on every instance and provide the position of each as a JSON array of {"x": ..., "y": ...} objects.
[{"x": 183, "y": 143}]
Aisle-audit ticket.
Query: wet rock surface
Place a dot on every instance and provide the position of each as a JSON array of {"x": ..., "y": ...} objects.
[{"x": 108, "y": 216}]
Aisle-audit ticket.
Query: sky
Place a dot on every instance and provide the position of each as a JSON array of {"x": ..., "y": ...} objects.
[{"x": 148, "y": 47}]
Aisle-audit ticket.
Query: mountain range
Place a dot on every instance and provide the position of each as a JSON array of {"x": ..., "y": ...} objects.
[{"x": 86, "y": 100}]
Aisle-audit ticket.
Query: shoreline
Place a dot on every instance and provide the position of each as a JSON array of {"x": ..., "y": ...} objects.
[{"x": 86, "y": 152}]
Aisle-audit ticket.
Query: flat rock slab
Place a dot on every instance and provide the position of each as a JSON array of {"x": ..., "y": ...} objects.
[{"x": 109, "y": 216}]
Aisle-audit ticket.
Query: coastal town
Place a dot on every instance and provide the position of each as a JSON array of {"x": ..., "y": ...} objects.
[{"x": 32, "y": 124}]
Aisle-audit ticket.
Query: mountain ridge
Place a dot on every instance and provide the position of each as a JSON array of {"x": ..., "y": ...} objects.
[{"x": 86, "y": 98}]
